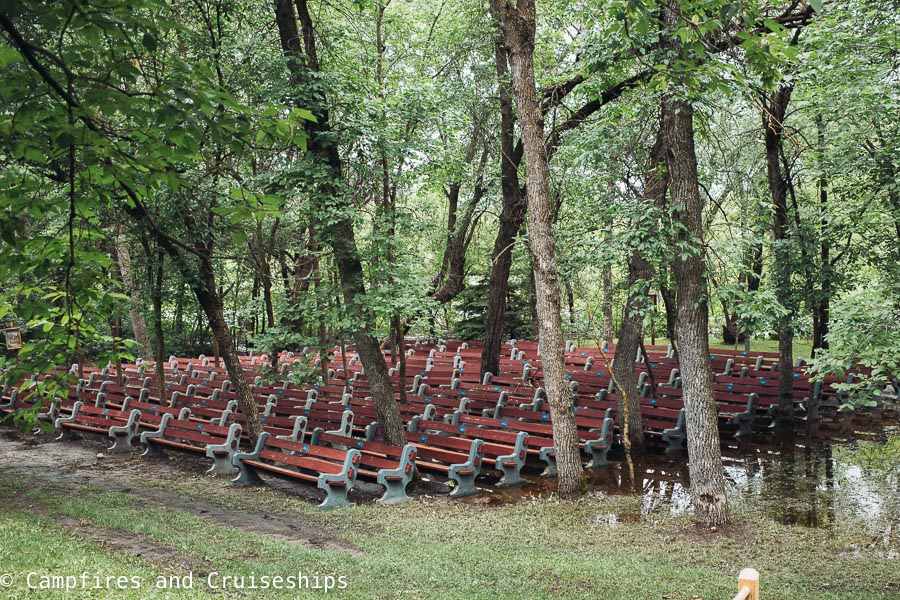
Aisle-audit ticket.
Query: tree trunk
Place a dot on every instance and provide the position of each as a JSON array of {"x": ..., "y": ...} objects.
[
  {"x": 607, "y": 331},
  {"x": 265, "y": 250},
  {"x": 209, "y": 299},
  {"x": 822, "y": 299},
  {"x": 179, "y": 310},
  {"x": 202, "y": 280},
  {"x": 692, "y": 319},
  {"x": 160, "y": 346},
  {"x": 254, "y": 295},
  {"x": 138, "y": 324},
  {"x": 535, "y": 329},
  {"x": 339, "y": 232},
  {"x": 399, "y": 330},
  {"x": 775, "y": 108},
  {"x": 511, "y": 217},
  {"x": 631, "y": 335},
  {"x": 670, "y": 303},
  {"x": 306, "y": 263},
  {"x": 450, "y": 281},
  {"x": 518, "y": 27}
]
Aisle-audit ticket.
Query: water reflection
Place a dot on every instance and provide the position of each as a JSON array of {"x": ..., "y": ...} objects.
[{"x": 810, "y": 480}]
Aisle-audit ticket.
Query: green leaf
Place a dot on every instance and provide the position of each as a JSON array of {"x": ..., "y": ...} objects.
[
  {"x": 149, "y": 42},
  {"x": 9, "y": 56}
]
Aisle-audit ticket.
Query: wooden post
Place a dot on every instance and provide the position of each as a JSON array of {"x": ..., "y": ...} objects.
[{"x": 749, "y": 579}]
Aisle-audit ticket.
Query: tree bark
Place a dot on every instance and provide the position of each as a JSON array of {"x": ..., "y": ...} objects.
[
  {"x": 160, "y": 346},
  {"x": 518, "y": 27},
  {"x": 511, "y": 217},
  {"x": 692, "y": 319},
  {"x": 630, "y": 335},
  {"x": 607, "y": 330},
  {"x": 262, "y": 255},
  {"x": 822, "y": 299},
  {"x": 138, "y": 323},
  {"x": 535, "y": 329},
  {"x": 774, "y": 110}
]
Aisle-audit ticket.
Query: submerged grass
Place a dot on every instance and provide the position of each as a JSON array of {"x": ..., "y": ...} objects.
[{"x": 438, "y": 548}]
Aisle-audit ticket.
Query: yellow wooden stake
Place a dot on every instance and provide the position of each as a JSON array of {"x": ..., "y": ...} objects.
[{"x": 748, "y": 585}]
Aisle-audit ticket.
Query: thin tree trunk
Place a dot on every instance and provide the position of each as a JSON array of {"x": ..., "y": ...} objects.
[
  {"x": 631, "y": 334},
  {"x": 254, "y": 294},
  {"x": 511, "y": 217},
  {"x": 209, "y": 299},
  {"x": 138, "y": 323},
  {"x": 450, "y": 281},
  {"x": 160, "y": 345},
  {"x": 607, "y": 331},
  {"x": 264, "y": 252},
  {"x": 692, "y": 320},
  {"x": 202, "y": 280},
  {"x": 179, "y": 310},
  {"x": 398, "y": 328},
  {"x": 670, "y": 303},
  {"x": 822, "y": 300},
  {"x": 117, "y": 337},
  {"x": 775, "y": 108},
  {"x": 518, "y": 27}
]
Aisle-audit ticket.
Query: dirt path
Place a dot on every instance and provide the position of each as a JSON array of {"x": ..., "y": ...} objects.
[{"x": 84, "y": 463}]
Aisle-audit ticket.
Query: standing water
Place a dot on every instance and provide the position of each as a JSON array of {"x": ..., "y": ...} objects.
[{"x": 810, "y": 480}]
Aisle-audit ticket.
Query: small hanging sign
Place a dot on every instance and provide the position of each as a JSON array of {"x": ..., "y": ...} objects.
[{"x": 13, "y": 338}]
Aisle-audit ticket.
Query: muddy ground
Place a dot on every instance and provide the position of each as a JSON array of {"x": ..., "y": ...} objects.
[{"x": 68, "y": 466}]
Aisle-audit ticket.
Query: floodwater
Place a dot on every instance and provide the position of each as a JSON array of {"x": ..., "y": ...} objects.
[{"x": 815, "y": 479}]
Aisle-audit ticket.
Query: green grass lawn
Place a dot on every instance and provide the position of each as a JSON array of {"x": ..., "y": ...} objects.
[{"x": 428, "y": 548}]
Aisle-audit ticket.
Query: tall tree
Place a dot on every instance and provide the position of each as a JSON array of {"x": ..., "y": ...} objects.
[
  {"x": 640, "y": 272},
  {"x": 774, "y": 111},
  {"x": 512, "y": 216},
  {"x": 518, "y": 23},
  {"x": 692, "y": 316},
  {"x": 331, "y": 198}
]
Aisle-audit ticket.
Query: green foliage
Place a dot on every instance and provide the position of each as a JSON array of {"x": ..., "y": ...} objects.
[
  {"x": 866, "y": 333},
  {"x": 109, "y": 114},
  {"x": 187, "y": 110},
  {"x": 470, "y": 324}
]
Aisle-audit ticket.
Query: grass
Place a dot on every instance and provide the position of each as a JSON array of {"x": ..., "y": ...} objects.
[
  {"x": 437, "y": 548},
  {"x": 34, "y": 546}
]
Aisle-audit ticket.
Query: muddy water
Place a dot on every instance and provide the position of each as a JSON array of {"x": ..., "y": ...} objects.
[{"x": 811, "y": 480}]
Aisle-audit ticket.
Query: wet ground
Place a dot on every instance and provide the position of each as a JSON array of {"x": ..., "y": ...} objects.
[
  {"x": 844, "y": 477},
  {"x": 814, "y": 479}
]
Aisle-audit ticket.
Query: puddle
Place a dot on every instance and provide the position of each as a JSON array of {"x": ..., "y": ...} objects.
[{"x": 807, "y": 481}]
